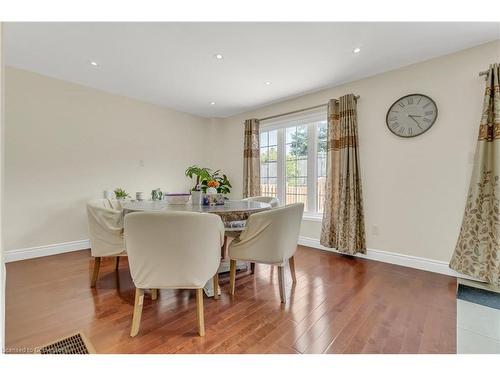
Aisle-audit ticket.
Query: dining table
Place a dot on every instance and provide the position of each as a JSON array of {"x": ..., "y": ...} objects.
[{"x": 230, "y": 212}]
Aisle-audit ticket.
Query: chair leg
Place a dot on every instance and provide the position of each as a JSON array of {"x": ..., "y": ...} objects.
[
  {"x": 252, "y": 268},
  {"x": 216, "y": 285},
  {"x": 291, "y": 262},
  {"x": 223, "y": 248},
  {"x": 117, "y": 263},
  {"x": 95, "y": 274},
  {"x": 136, "y": 319},
  {"x": 232, "y": 276},
  {"x": 199, "y": 311},
  {"x": 281, "y": 280},
  {"x": 154, "y": 294}
]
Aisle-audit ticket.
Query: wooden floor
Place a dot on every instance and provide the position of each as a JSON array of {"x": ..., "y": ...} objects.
[{"x": 340, "y": 304}]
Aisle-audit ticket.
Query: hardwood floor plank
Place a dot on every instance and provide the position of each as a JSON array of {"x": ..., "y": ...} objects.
[{"x": 340, "y": 304}]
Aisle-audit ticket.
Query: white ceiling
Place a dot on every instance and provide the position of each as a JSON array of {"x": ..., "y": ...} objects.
[{"x": 173, "y": 64}]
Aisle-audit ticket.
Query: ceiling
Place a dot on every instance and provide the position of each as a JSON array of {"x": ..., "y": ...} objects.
[{"x": 174, "y": 64}]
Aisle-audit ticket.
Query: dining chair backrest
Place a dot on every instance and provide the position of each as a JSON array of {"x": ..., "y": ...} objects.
[
  {"x": 274, "y": 202},
  {"x": 179, "y": 250},
  {"x": 105, "y": 228},
  {"x": 116, "y": 204},
  {"x": 270, "y": 236}
]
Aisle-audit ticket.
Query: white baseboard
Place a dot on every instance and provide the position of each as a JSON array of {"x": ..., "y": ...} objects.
[
  {"x": 425, "y": 264},
  {"x": 372, "y": 254},
  {"x": 42, "y": 251}
]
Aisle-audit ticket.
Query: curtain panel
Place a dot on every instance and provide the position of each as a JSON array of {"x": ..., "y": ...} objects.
[
  {"x": 251, "y": 159},
  {"x": 477, "y": 252},
  {"x": 343, "y": 225}
]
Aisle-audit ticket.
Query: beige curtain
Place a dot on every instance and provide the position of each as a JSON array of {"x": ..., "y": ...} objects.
[
  {"x": 477, "y": 252},
  {"x": 251, "y": 159},
  {"x": 343, "y": 225}
]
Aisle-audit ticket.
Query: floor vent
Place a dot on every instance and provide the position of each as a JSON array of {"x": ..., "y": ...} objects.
[{"x": 74, "y": 344}]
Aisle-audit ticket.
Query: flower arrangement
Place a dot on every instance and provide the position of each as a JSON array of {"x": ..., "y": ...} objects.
[
  {"x": 206, "y": 179},
  {"x": 211, "y": 187},
  {"x": 121, "y": 193},
  {"x": 213, "y": 184},
  {"x": 218, "y": 182}
]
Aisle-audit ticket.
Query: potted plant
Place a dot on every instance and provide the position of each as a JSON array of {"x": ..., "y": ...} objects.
[
  {"x": 224, "y": 184},
  {"x": 121, "y": 194},
  {"x": 216, "y": 185},
  {"x": 202, "y": 174}
]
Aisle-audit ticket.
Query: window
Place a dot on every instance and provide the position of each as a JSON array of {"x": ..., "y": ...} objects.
[
  {"x": 293, "y": 160},
  {"x": 321, "y": 167},
  {"x": 296, "y": 165},
  {"x": 268, "y": 163}
]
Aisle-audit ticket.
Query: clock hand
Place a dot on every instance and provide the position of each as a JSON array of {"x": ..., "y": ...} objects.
[
  {"x": 414, "y": 116},
  {"x": 415, "y": 121}
]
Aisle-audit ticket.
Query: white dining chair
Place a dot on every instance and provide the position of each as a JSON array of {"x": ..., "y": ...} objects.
[
  {"x": 238, "y": 225},
  {"x": 172, "y": 250},
  {"x": 270, "y": 237},
  {"x": 105, "y": 222},
  {"x": 234, "y": 228},
  {"x": 273, "y": 201}
]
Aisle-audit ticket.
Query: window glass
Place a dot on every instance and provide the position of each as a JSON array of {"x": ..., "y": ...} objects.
[
  {"x": 321, "y": 165},
  {"x": 291, "y": 176},
  {"x": 296, "y": 165},
  {"x": 268, "y": 161}
]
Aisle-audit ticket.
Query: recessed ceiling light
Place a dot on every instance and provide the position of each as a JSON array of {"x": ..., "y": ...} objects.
[
  {"x": 268, "y": 83},
  {"x": 93, "y": 63},
  {"x": 218, "y": 56},
  {"x": 212, "y": 103},
  {"x": 356, "y": 50}
]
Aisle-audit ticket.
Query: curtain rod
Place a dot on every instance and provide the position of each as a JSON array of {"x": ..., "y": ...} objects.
[
  {"x": 483, "y": 73},
  {"x": 298, "y": 110}
]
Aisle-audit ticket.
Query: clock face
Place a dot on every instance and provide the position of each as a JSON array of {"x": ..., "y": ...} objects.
[{"x": 411, "y": 115}]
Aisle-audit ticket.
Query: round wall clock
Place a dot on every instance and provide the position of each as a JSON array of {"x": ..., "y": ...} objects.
[{"x": 411, "y": 115}]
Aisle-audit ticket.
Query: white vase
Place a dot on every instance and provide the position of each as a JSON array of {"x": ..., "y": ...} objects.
[
  {"x": 196, "y": 198},
  {"x": 211, "y": 190}
]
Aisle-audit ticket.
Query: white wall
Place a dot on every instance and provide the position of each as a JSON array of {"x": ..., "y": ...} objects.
[
  {"x": 2, "y": 259},
  {"x": 66, "y": 143},
  {"x": 414, "y": 189}
]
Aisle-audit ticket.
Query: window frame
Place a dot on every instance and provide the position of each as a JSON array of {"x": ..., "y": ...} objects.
[{"x": 307, "y": 118}]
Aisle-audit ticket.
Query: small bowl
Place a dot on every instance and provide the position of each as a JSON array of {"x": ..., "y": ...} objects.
[{"x": 177, "y": 198}]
